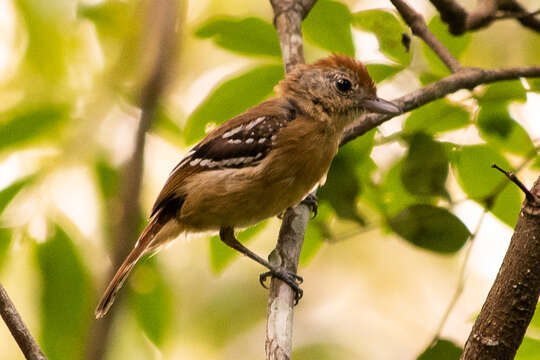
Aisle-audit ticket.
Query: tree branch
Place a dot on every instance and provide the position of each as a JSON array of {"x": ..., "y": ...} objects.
[
  {"x": 460, "y": 21},
  {"x": 18, "y": 329},
  {"x": 160, "y": 42},
  {"x": 467, "y": 78},
  {"x": 419, "y": 28},
  {"x": 511, "y": 302},
  {"x": 288, "y": 15}
]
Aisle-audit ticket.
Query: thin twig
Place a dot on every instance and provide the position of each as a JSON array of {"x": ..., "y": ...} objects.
[
  {"x": 419, "y": 28},
  {"x": 18, "y": 329},
  {"x": 515, "y": 180},
  {"x": 461, "y": 278}
]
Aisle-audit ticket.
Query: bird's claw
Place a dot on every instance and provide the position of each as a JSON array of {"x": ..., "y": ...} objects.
[
  {"x": 289, "y": 278},
  {"x": 312, "y": 201}
]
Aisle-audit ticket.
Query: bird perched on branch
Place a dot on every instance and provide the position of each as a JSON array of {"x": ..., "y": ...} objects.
[{"x": 259, "y": 163}]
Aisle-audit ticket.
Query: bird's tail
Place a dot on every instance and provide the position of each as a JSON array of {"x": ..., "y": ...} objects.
[{"x": 143, "y": 245}]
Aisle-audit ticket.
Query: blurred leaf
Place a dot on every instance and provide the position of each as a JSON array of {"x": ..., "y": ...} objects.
[
  {"x": 436, "y": 117},
  {"x": 507, "y": 204},
  {"x": 395, "y": 195},
  {"x": 534, "y": 84},
  {"x": 497, "y": 127},
  {"x": 322, "y": 351},
  {"x": 5, "y": 242},
  {"x": 328, "y": 25},
  {"x": 475, "y": 175},
  {"x": 430, "y": 227},
  {"x": 31, "y": 124},
  {"x": 425, "y": 168},
  {"x": 428, "y": 78},
  {"x": 529, "y": 349},
  {"x": 441, "y": 350},
  {"x": 231, "y": 98},
  {"x": 342, "y": 185},
  {"x": 66, "y": 298},
  {"x": 380, "y": 72},
  {"x": 316, "y": 233},
  {"x": 455, "y": 44},
  {"x": 388, "y": 30},
  {"x": 108, "y": 178},
  {"x": 251, "y": 35},
  {"x": 165, "y": 126},
  {"x": 7, "y": 194},
  {"x": 109, "y": 17},
  {"x": 221, "y": 255},
  {"x": 151, "y": 300},
  {"x": 503, "y": 92}
]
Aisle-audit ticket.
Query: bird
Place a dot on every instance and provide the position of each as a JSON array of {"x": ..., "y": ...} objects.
[{"x": 259, "y": 163}]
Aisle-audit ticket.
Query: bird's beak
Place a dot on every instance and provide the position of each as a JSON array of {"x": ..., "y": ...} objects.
[{"x": 379, "y": 105}]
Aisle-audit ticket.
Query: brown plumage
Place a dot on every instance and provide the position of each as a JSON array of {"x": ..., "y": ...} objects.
[{"x": 259, "y": 163}]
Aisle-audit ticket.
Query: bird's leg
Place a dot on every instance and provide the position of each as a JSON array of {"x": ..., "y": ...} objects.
[
  {"x": 226, "y": 235},
  {"x": 312, "y": 201}
]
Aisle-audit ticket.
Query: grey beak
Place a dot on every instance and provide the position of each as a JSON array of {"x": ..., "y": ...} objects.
[{"x": 379, "y": 105}]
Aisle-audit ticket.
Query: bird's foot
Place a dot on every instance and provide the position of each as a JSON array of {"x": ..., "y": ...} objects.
[
  {"x": 288, "y": 277},
  {"x": 312, "y": 201}
]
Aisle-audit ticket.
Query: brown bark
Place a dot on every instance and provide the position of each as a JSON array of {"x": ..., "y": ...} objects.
[{"x": 511, "y": 302}]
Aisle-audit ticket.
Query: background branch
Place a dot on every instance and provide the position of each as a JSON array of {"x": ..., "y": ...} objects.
[
  {"x": 511, "y": 302},
  {"x": 160, "y": 45},
  {"x": 288, "y": 15},
  {"x": 18, "y": 329}
]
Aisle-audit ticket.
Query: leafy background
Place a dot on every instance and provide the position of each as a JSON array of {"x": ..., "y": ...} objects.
[{"x": 382, "y": 258}]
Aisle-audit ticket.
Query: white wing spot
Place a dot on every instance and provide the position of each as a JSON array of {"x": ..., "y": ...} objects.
[
  {"x": 232, "y": 132},
  {"x": 262, "y": 140},
  {"x": 274, "y": 137},
  {"x": 254, "y": 123},
  {"x": 205, "y": 162},
  {"x": 250, "y": 140},
  {"x": 195, "y": 162}
]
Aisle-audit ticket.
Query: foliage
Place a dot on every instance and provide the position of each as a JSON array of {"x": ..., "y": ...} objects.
[{"x": 69, "y": 106}]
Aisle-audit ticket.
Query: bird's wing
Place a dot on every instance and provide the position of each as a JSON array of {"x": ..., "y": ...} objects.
[{"x": 240, "y": 142}]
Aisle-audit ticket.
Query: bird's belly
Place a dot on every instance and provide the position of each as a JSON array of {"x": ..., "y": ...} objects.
[{"x": 236, "y": 198}]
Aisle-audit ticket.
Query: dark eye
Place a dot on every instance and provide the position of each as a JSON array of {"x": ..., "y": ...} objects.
[{"x": 343, "y": 85}]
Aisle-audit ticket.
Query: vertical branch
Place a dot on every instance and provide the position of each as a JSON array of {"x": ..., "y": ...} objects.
[
  {"x": 160, "y": 44},
  {"x": 18, "y": 329},
  {"x": 288, "y": 16},
  {"x": 499, "y": 329}
]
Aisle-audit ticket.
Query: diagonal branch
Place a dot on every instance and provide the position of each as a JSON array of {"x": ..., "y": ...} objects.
[
  {"x": 465, "y": 79},
  {"x": 419, "y": 28},
  {"x": 18, "y": 329}
]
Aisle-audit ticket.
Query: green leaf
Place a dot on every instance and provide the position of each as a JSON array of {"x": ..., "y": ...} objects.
[
  {"x": 316, "y": 233},
  {"x": 455, "y": 44},
  {"x": 251, "y": 35},
  {"x": 441, "y": 350},
  {"x": 428, "y": 78},
  {"x": 323, "y": 351},
  {"x": 108, "y": 178},
  {"x": 388, "y": 30},
  {"x": 430, "y": 227},
  {"x": 165, "y": 126},
  {"x": 425, "y": 168},
  {"x": 474, "y": 173},
  {"x": 436, "y": 117},
  {"x": 5, "y": 242},
  {"x": 498, "y": 128},
  {"x": 66, "y": 298},
  {"x": 221, "y": 255},
  {"x": 507, "y": 204},
  {"x": 534, "y": 84},
  {"x": 7, "y": 194},
  {"x": 529, "y": 349},
  {"x": 395, "y": 196},
  {"x": 231, "y": 98},
  {"x": 151, "y": 300},
  {"x": 342, "y": 185},
  {"x": 31, "y": 124},
  {"x": 109, "y": 17},
  {"x": 503, "y": 92},
  {"x": 380, "y": 72},
  {"x": 328, "y": 25}
]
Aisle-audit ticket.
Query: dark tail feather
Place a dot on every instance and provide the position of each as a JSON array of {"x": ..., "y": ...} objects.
[{"x": 141, "y": 247}]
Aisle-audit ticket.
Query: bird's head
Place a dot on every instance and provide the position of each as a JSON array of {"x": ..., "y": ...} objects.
[{"x": 337, "y": 84}]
